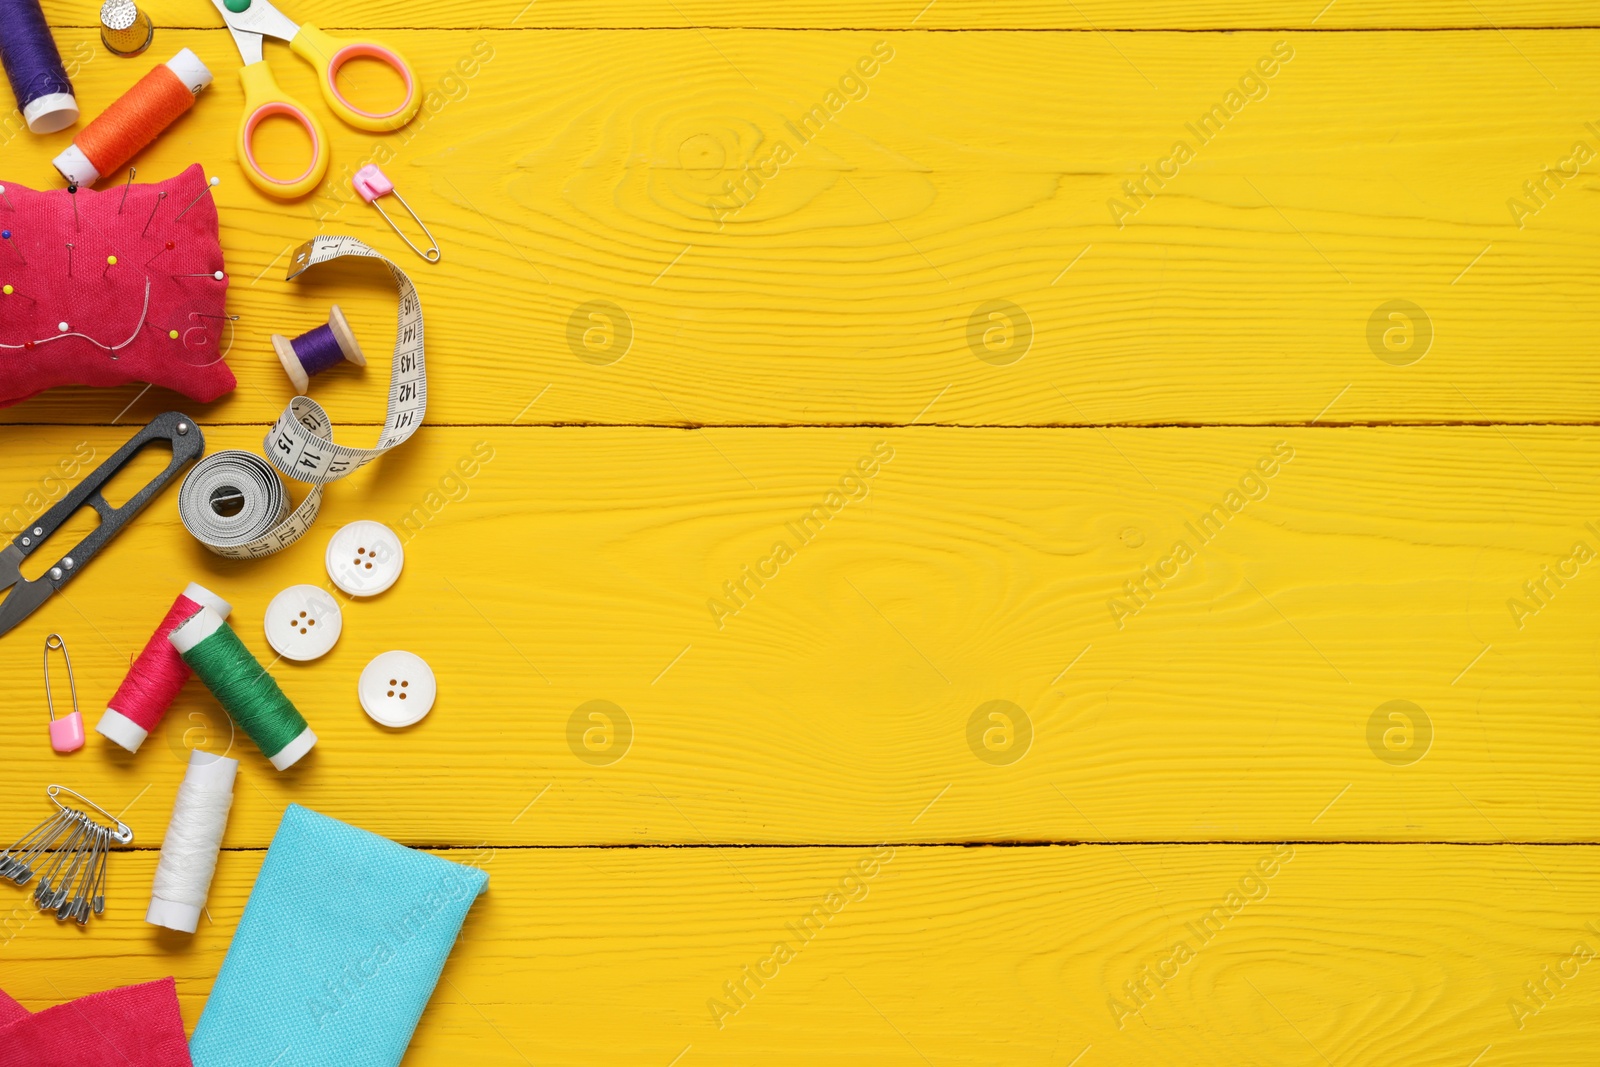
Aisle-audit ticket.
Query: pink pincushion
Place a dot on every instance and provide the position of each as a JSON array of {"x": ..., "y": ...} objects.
[{"x": 106, "y": 309}]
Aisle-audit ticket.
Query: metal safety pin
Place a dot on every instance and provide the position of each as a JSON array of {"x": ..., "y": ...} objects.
[
  {"x": 66, "y": 733},
  {"x": 371, "y": 183},
  {"x": 69, "y": 852},
  {"x": 123, "y": 834},
  {"x": 44, "y": 894},
  {"x": 16, "y": 862}
]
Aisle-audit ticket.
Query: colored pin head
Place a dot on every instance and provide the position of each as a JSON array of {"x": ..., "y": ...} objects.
[{"x": 212, "y": 184}]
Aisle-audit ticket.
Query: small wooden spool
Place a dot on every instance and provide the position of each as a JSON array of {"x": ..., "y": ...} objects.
[{"x": 297, "y": 370}]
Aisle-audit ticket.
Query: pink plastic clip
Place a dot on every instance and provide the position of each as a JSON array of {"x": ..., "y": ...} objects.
[
  {"x": 66, "y": 734},
  {"x": 370, "y": 183}
]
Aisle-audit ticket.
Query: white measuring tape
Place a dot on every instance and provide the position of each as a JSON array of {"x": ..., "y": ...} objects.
[{"x": 233, "y": 502}]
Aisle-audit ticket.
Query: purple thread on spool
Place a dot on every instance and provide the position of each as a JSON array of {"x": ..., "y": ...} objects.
[
  {"x": 318, "y": 349},
  {"x": 33, "y": 65}
]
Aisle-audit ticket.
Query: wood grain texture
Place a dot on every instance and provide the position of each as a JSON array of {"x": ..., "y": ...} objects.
[
  {"x": 834, "y": 706},
  {"x": 1378, "y": 167},
  {"x": 1010, "y": 645},
  {"x": 1087, "y": 15},
  {"x": 1390, "y": 957}
]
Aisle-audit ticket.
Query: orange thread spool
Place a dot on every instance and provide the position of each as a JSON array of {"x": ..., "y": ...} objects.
[{"x": 135, "y": 119}]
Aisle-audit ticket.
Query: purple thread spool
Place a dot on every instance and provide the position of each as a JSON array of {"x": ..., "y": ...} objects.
[
  {"x": 316, "y": 350},
  {"x": 33, "y": 66}
]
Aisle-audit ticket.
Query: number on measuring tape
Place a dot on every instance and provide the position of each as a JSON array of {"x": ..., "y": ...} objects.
[{"x": 300, "y": 444}]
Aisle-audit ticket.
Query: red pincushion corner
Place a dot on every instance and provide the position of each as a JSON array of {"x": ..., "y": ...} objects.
[
  {"x": 133, "y": 1026},
  {"x": 109, "y": 305}
]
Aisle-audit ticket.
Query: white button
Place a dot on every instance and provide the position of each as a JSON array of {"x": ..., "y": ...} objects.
[
  {"x": 303, "y": 622},
  {"x": 364, "y": 558},
  {"x": 397, "y": 688}
]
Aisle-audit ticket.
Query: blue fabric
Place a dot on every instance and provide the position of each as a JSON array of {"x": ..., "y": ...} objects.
[{"x": 338, "y": 950}]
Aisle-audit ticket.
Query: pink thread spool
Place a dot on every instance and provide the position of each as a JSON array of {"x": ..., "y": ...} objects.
[{"x": 153, "y": 681}]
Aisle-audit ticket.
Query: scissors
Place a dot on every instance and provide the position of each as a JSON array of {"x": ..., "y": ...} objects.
[
  {"x": 251, "y": 20},
  {"x": 175, "y": 429}
]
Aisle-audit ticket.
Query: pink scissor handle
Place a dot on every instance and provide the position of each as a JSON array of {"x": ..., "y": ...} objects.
[
  {"x": 264, "y": 100},
  {"x": 286, "y": 187},
  {"x": 371, "y": 51},
  {"x": 329, "y": 55}
]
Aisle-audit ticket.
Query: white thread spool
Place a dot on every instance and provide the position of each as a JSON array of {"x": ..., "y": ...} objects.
[{"x": 194, "y": 838}]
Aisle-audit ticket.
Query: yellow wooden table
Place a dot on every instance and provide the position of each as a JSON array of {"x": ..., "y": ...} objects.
[{"x": 999, "y": 463}]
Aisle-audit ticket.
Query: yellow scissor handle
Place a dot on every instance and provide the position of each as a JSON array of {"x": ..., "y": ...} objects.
[
  {"x": 262, "y": 100},
  {"x": 328, "y": 54}
]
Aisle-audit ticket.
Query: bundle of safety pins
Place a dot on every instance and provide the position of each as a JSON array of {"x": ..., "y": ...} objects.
[{"x": 68, "y": 851}]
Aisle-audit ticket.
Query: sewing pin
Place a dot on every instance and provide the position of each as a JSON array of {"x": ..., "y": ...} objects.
[
  {"x": 70, "y": 247},
  {"x": 6, "y": 236},
  {"x": 162, "y": 195},
  {"x": 111, "y": 261},
  {"x": 7, "y": 199},
  {"x": 217, "y": 274},
  {"x": 215, "y": 181},
  {"x": 72, "y": 192},
  {"x": 10, "y": 291},
  {"x": 125, "y": 187},
  {"x": 169, "y": 247}
]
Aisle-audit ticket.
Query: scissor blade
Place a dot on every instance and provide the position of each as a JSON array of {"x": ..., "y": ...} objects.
[
  {"x": 260, "y": 18},
  {"x": 10, "y": 566},
  {"x": 249, "y": 44},
  {"x": 23, "y": 600}
]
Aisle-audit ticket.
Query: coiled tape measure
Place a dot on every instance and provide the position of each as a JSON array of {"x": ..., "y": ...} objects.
[{"x": 234, "y": 503}]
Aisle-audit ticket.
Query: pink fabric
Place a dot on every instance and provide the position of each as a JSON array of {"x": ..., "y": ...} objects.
[
  {"x": 109, "y": 305},
  {"x": 10, "y": 1010},
  {"x": 135, "y": 1026}
]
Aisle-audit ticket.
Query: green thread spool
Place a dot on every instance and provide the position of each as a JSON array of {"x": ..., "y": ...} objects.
[{"x": 243, "y": 687}]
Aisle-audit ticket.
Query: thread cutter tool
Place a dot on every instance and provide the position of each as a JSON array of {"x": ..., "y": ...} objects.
[{"x": 26, "y": 595}]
